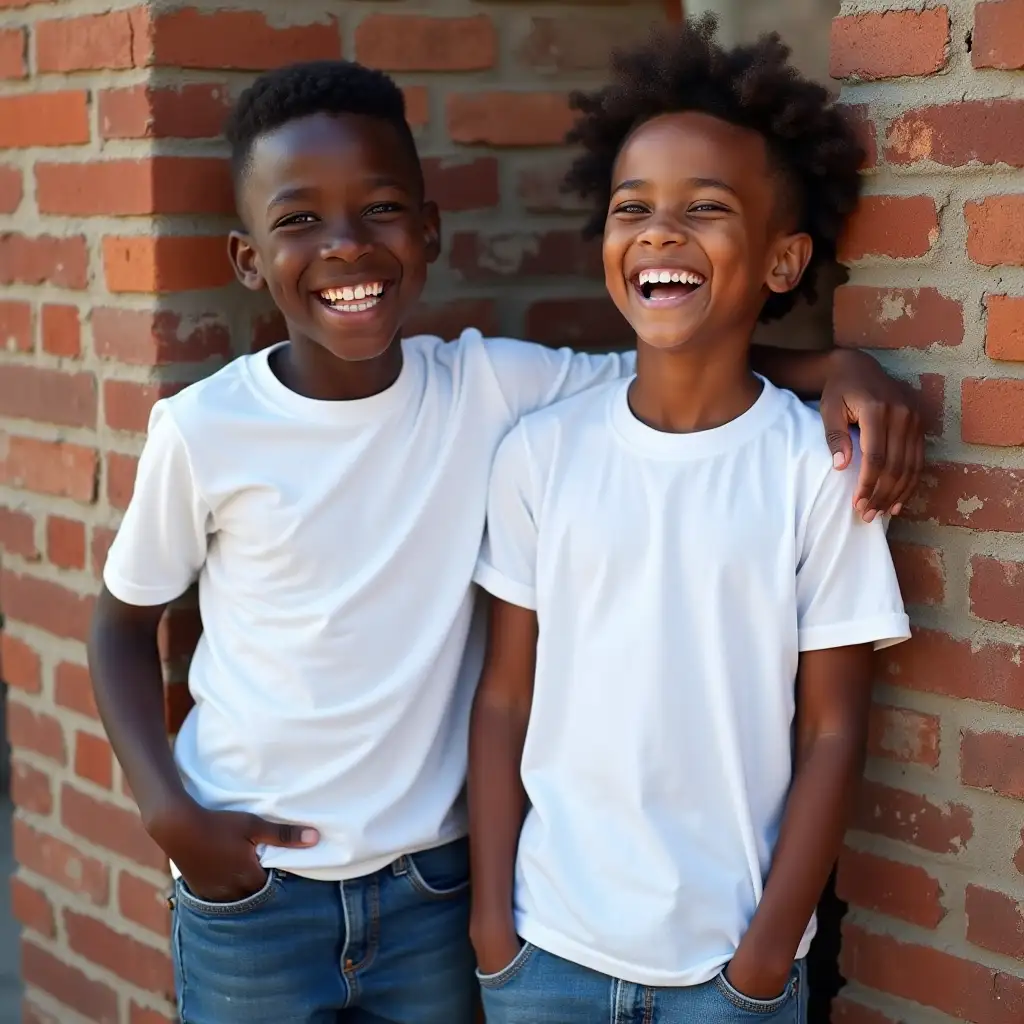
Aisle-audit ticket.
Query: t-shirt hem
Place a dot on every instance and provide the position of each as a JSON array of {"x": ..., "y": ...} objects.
[
  {"x": 503, "y": 588},
  {"x": 884, "y": 631},
  {"x": 139, "y": 596}
]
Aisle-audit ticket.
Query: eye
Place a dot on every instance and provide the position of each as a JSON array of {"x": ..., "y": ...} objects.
[
  {"x": 708, "y": 208},
  {"x": 296, "y": 220},
  {"x": 632, "y": 208},
  {"x": 384, "y": 208}
]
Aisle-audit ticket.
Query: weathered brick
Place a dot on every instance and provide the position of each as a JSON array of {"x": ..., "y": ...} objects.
[
  {"x": 1004, "y": 334},
  {"x": 165, "y": 263},
  {"x": 61, "y": 863},
  {"x": 121, "y": 471},
  {"x": 44, "y": 259},
  {"x": 995, "y": 231},
  {"x": 61, "y": 332},
  {"x": 458, "y": 185},
  {"x": 48, "y": 396},
  {"x": 96, "y": 1000},
  {"x": 65, "y": 542},
  {"x": 571, "y": 43},
  {"x": 968, "y": 495},
  {"x": 921, "y": 573},
  {"x": 144, "y": 903},
  {"x": 998, "y": 40},
  {"x": 31, "y": 789},
  {"x": 127, "y": 405},
  {"x": 109, "y": 827},
  {"x": 22, "y": 667},
  {"x": 48, "y": 467},
  {"x": 508, "y": 118},
  {"x": 114, "y": 39},
  {"x": 913, "y": 818},
  {"x": 900, "y": 734},
  {"x": 993, "y": 761},
  {"x": 487, "y": 257},
  {"x": 891, "y": 318},
  {"x": 190, "y": 111},
  {"x": 904, "y": 891},
  {"x": 47, "y": 605},
  {"x": 11, "y": 188},
  {"x": 12, "y": 53},
  {"x": 33, "y": 908},
  {"x": 94, "y": 760},
  {"x": 889, "y": 44},
  {"x": 15, "y": 326},
  {"x": 900, "y": 227},
  {"x": 409, "y": 42},
  {"x": 35, "y": 731},
  {"x": 44, "y": 119},
  {"x": 997, "y": 590},
  {"x": 73, "y": 690},
  {"x": 159, "y": 337},
  {"x": 992, "y": 412},
  {"x": 995, "y": 921},
  {"x": 18, "y": 533},
  {"x": 956, "y": 134}
]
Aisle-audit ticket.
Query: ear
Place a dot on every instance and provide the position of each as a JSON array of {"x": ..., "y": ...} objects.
[
  {"x": 245, "y": 260},
  {"x": 432, "y": 230},
  {"x": 789, "y": 260}
]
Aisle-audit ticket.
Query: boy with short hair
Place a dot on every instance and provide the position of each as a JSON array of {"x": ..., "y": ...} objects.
[
  {"x": 671, "y": 719},
  {"x": 329, "y": 495}
]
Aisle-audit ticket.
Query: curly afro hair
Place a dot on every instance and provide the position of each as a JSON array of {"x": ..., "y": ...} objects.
[
  {"x": 810, "y": 141},
  {"x": 314, "y": 87}
]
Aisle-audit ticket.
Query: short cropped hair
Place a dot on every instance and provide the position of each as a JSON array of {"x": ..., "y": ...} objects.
[
  {"x": 811, "y": 142},
  {"x": 315, "y": 87}
]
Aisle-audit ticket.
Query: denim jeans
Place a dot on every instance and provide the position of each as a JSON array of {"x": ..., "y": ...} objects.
[
  {"x": 539, "y": 988},
  {"x": 389, "y": 948}
]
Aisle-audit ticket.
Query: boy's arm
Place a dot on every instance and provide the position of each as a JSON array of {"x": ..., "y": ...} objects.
[
  {"x": 497, "y": 800},
  {"x": 833, "y": 698}
]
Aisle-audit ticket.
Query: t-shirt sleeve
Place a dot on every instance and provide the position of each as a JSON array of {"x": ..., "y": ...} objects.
[
  {"x": 507, "y": 567},
  {"x": 846, "y": 586},
  {"x": 532, "y": 376},
  {"x": 161, "y": 544}
]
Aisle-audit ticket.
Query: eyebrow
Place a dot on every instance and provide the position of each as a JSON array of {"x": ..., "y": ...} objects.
[
  {"x": 632, "y": 184},
  {"x": 287, "y": 195}
]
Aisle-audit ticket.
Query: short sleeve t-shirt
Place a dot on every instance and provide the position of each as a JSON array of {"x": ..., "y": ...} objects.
[
  {"x": 676, "y": 580},
  {"x": 334, "y": 545}
]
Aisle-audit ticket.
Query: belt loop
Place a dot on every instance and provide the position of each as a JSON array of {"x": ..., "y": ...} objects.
[{"x": 400, "y": 867}]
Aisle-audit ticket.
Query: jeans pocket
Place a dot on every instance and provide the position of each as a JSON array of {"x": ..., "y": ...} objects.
[
  {"x": 506, "y": 974},
  {"x": 188, "y": 899},
  {"x": 757, "y": 1006},
  {"x": 440, "y": 873}
]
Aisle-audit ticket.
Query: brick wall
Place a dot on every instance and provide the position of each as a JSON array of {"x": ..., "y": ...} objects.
[
  {"x": 935, "y": 867},
  {"x": 114, "y": 201}
]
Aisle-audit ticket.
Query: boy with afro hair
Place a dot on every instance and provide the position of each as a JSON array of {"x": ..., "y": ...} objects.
[{"x": 672, "y": 715}]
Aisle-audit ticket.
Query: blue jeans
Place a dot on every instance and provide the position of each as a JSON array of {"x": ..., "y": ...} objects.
[
  {"x": 389, "y": 948},
  {"x": 539, "y": 988}
]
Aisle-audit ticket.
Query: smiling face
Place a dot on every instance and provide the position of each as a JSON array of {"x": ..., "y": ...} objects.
[
  {"x": 337, "y": 230},
  {"x": 697, "y": 233}
]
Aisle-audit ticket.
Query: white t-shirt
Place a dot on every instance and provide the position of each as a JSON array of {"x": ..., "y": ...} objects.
[
  {"x": 676, "y": 579},
  {"x": 334, "y": 544}
]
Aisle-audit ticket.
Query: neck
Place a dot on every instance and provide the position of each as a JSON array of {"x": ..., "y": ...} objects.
[
  {"x": 681, "y": 391},
  {"x": 310, "y": 370}
]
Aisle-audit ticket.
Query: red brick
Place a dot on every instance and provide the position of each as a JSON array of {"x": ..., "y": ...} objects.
[
  {"x": 982, "y": 131},
  {"x": 572, "y": 42},
  {"x": 963, "y": 494},
  {"x": 109, "y": 827},
  {"x": 61, "y": 863},
  {"x": 890, "y": 44},
  {"x": 539, "y": 187},
  {"x": 407, "y": 42},
  {"x": 938, "y": 663},
  {"x": 157, "y": 185},
  {"x": 32, "y": 908},
  {"x": 143, "y": 966},
  {"x": 94, "y": 1000},
  {"x": 191, "y": 111},
  {"x": 48, "y": 396},
  {"x": 888, "y": 887},
  {"x": 144, "y": 903},
  {"x": 20, "y": 664},
  {"x": 417, "y": 105},
  {"x": 18, "y": 534},
  {"x": 61, "y": 331},
  {"x": 269, "y": 328},
  {"x": 449, "y": 320},
  {"x": 11, "y": 188},
  {"x": 900, "y": 227},
  {"x": 102, "y": 538},
  {"x": 1018, "y": 860},
  {"x": 930, "y": 390},
  {"x": 44, "y": 259},
  {"x": 508, "y": 118},
  {"x": 127, "y": 405},
  {"x": 47, "y": 606},
  {"x": 179, "y": 632},
  {"x": 12, "y": 53},
  {"x": 998, "y": 40},
  {"x": 159, "y": 337},
  {"x": 845, "y": 1011},
  {"x": 890, "y": 318},
  {"x": 73, "y": 689},
  {"x": 921, "y": 573},
  {"x": 457, "y": 185},
  {"x": 995, "y": 231},
  {"x": 960, "y": 988},
  {"x": 48, "y": 467},
  {"x": 144, "y": 1015},
  {"x": 94, "y": 760},
  {"x": 1004, "y": 335},
  {"x": 44, "y": 119},
  {"x": 116, "y": 39},
  {"x": 165, "y": 263},
  {"x": 995, "y": 921},
  {"x": 239, "y": 40},
  {"x": 478, "y": 257},
  {"x": 15, "y": 326},
  {"x": 914, "y": 819},
  {"x": 31, "y": 789},
  {"x": 993, "y": 761},
  {"x": 121, "y": 470},
  {"x": 900, "y": 734},
  {"x": 35, "y": 731},
  {"x": 580, "y": 323},
  {"x": 997, "y": 590}
]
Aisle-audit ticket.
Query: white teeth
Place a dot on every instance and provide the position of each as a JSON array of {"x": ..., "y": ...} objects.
[
  {"x": 360, "y": 292},
  {"x": 347, "y": 300},
  {"x": 665, "y": 277},
  {"x": 671, "y": 277}
]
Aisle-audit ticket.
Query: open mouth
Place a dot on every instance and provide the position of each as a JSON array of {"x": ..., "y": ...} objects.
[
  {"x": 666, "y": 286},
  {"x": 354, "y": 298}
]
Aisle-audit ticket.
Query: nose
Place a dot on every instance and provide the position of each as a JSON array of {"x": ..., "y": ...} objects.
[
  {"x": 662, "y": 231},
  {"x": 344, "y": 241}
]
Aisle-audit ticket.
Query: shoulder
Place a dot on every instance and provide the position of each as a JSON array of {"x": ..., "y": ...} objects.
[{"x": 580, "y": 412}]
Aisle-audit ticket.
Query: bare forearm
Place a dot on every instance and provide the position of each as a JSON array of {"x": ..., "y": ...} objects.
[
  {"x": 497, "y": 804},
  {"x": 813, "y": 826},
  {"x": 124, "y": 662}
]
